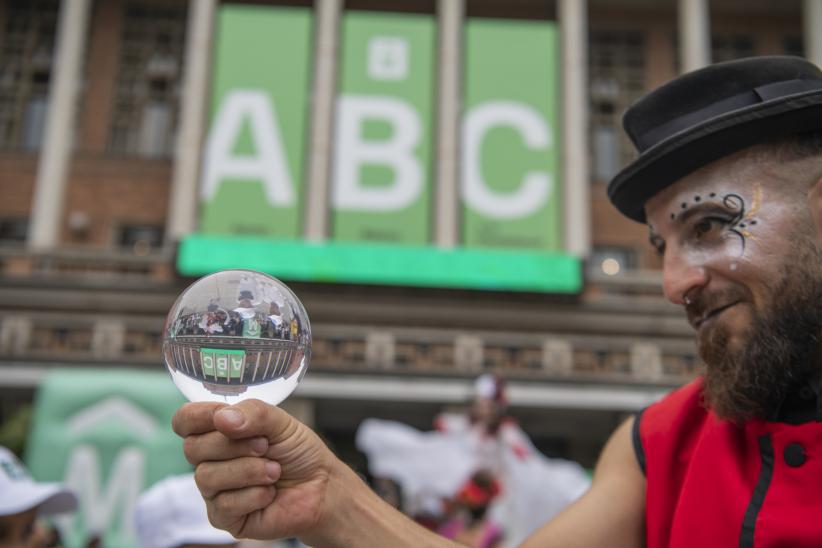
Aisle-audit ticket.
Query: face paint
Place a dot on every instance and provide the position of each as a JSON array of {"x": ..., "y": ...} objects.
[
  {"x": 729, "y": 210},
  {"x": 753, "y": 296}
]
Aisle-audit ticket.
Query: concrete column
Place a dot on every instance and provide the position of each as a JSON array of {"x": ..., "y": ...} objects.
[
  {"x": 812, "y": 29},
  {"x": 182, "y": 210},
  {"x": 52, "y": 167},
  {"x": 575, "y": 181},
  {"x": 447, "y": 204},
  {"x": 694, "y": 35},
  {"x": 108, "y": 338},
  {"x": 321, "y": 137}
]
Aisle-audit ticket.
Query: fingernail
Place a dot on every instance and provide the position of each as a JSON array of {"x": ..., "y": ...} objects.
[
  {"x": 272, "y": 470},
  {"x": 232, "y": 417},
  {"x": 259, "y": 445}
]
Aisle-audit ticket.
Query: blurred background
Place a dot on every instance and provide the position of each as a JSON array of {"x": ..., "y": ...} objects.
[{"x": 427, "y": 175}]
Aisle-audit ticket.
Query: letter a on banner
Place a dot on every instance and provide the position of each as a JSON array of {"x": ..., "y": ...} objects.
[
  {"x": 252, "y": 176},
  {"x": 266, "y": 165}
]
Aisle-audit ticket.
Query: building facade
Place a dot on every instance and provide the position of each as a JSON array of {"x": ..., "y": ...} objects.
[{"x": 103, "y": 122}]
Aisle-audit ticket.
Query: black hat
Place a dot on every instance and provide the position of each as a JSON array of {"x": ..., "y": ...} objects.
[
  {"x": 710, "y": 113},
  {"x": 245, "y": 294}
]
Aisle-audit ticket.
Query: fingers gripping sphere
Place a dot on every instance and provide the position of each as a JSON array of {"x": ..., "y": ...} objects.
[{"x": 235, "y": 335}]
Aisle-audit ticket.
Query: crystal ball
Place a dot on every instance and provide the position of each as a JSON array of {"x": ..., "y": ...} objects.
[{"x": 235, "y": 335}]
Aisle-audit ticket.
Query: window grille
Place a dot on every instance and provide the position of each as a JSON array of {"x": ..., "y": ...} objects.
[
  {"x": 792, "y": 45},
  {"x": 27, "y": 42},
  {"x": 140, "y": 238},
  {"x": 616, "y": 80},
  {"x": 14, "y": 231},
  {"x": 727, "y": 47},
  {"x": 145, "y": 110}
]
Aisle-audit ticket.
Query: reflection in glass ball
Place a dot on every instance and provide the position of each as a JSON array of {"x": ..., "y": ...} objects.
[{"x": 235, "y": 335}]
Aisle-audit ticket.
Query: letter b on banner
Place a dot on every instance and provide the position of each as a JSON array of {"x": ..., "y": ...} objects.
[
  {"x": 395, "y": 153},
  {"x": 381, "y": 181}
]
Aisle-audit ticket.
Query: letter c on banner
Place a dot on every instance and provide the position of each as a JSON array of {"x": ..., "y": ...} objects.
[{"x": 536, "y": 186}]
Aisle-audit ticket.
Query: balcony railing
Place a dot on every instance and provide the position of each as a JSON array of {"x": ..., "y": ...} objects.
[{"x": 92, "y": 339}]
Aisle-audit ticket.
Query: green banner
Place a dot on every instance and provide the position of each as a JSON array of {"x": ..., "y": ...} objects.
[
  {"x": 510, "y": 157},
  {"x": 237, "y": 362},
  {"x": 222, "y": 363},
  {"x": 207, "y": 360},
  {"x": 382, "y": 164},
  {"x": 252, "y": 175},
  {"x": 385, "y": 264},
  {"x": 107, "y": 434}
]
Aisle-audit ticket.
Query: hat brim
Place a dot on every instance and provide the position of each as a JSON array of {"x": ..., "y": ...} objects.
[
  {"x": 51, "y": 498},
  {"x": 686, "y": 151}
]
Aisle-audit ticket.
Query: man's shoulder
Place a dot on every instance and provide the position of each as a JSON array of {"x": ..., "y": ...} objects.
[
  {"x": 679, "y": 403},
  {"x": 680, "y": 415},
  {"x": 685, "y": 397}
]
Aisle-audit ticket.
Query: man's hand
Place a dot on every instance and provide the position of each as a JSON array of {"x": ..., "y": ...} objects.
[{"x": 262, "y": 473}]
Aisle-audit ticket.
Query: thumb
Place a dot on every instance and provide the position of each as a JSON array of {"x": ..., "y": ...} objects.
[{"x": 252, "y": 418}]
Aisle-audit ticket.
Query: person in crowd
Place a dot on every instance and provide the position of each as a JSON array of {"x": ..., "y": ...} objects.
[
  {"x": 247, "y": 310},
  {"x": 213, "y": 320},
  {"x": 729, "y": 183},
  {"x": 431, "y": 466},
  {"x": 275, "y": 324},
  {"x": 23, "y": 502},
  {"x": 171, "y": 514},
  {"x": 468, "y": 522}
]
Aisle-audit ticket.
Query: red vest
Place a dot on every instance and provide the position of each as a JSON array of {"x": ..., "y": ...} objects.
[{"x": 713, "y": 483}]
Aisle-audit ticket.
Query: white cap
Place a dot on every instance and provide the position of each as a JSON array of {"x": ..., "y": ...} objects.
[
  {"x": 491, "y": 387},
  {"x": 172, "y": 513},
  {"x": 19, "y": 492}
]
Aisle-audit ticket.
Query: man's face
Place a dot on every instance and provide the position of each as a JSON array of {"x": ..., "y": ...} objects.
[
  {"x": 19, "y": 530},
  {"x": 739, "y": 254}
]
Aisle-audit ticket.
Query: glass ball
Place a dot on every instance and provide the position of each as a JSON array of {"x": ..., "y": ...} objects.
[{"x": 235, "y": 335}]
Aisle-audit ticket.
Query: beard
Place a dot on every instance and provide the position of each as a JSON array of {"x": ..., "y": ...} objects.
[{"x": 779, "y": 351}]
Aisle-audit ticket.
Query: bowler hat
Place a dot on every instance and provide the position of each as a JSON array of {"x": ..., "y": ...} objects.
[{"x": 710, "y": 113}]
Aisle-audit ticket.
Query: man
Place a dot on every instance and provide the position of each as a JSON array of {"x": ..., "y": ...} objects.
[
  {"x": 23, "y": 501},
  {"x": 729, "y": 181}
]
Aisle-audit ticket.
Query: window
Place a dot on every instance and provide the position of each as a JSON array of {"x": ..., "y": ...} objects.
[
  {"x": 140, "y": 238},
  {"x": 14, "y": 231},
  {"x": 27, "y": 43},
  {"x": 148, "y": 83},
  {"x": 727, "y": 47},
  {"x": 792, "y": 45},
  {"x": 617, "y": 79}
]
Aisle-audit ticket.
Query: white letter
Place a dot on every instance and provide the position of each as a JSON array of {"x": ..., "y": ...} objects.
[
  {"x": 125, "y": 482},
  {"x": 397, "y": 153},
  {"x": 266, "y": 165},
  {"x": 536, "y": 185}
]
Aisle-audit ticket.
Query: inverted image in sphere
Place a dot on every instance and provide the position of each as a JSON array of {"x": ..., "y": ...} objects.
[{"x": 237, "y": 334}]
